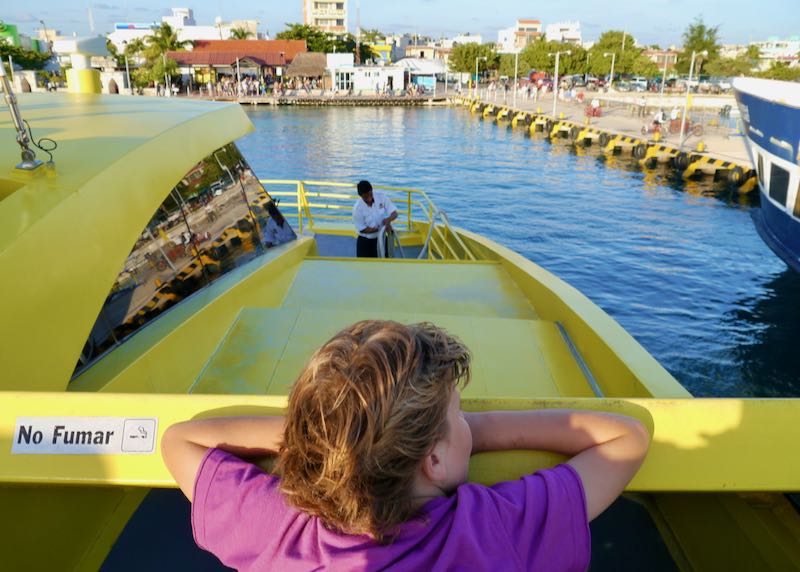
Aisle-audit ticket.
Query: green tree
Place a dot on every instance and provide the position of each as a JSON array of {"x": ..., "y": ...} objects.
[
  {"x": 781, "y": 71},
  {"x": 462, "y": 58},
  {"x": 114, "y": 53},
  {"x": 240, "y": 33},
  {"x": 164, "y": 40},
  {"x": 28, "y": 59},
  {"x": 316, "y": 40},
  {"x": 628, "y": 60},
  {"x": 372, "y": 35},
  {"x": 539, "y": 55},
  {"x": 319, "y": 41},
  {"x": 135, "y": 48},
  {"x": 697, "y": 38},
  {"x": 154, "y": 72},
  {"x": 728, "y": 67}
]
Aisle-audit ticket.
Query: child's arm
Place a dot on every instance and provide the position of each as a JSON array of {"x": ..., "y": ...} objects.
[
  {"x": 606, "y": 449},
  {"x": 184, "y": 444}
]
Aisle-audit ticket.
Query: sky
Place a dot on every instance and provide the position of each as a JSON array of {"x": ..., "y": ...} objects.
[{"x": 650, "y": 21}]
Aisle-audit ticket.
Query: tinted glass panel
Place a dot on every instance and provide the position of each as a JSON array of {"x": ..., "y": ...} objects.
[
  {"x": 778, "y": 184},
  {"x": 216, "y": 218},
  {"x": 797, "y": 201}
]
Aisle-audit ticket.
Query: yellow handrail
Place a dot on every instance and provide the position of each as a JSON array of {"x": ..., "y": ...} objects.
[{"x": 415, "y": 198}]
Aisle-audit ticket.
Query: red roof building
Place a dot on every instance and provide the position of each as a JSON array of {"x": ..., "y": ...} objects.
[{"x": 243, "y": 48}]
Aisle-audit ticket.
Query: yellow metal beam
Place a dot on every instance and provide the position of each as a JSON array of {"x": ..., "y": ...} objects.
[{"x": 698, "y": 444}]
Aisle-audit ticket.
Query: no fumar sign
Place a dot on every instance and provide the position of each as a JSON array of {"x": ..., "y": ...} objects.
[{"x": 84, "y": 436}]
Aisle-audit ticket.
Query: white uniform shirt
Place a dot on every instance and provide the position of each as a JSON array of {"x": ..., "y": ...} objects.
[{"x": 372, "y": 216}]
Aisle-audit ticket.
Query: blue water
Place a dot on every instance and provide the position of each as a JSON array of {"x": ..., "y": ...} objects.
[{"x": 678, "y": 264}]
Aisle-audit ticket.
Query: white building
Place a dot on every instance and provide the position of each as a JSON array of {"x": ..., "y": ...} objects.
[
  {"x": 346, "y": 76},
  {"x": 775, "y": 50},
  {"x": 183, "y": 22},
  {"x": 466, "y": 39},
  {"x": 564, "y": 32},
  {"x": 513, "y": 39},
  {"x": 326, "y": 15}
]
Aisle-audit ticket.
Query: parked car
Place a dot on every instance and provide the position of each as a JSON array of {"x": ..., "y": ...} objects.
[{"x": 638, "y": 83}]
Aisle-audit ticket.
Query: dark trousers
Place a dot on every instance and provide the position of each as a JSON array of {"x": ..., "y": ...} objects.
[{"x": 366, "y": 247}]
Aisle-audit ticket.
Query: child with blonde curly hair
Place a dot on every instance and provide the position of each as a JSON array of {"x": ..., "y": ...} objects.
[{"x": 372, "y": 462}]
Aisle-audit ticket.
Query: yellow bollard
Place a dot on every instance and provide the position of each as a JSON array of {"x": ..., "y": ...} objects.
[
  {"x": 657, "y": 136},
  {"x": 586, "y": 121},
  {"x": 701, "y": 147},
  {"x": 561, "y": 115},
  {"x": 538, "y": 110}
]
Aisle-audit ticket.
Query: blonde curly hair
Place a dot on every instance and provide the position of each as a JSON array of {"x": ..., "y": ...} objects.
[{"x": 368, "y": 407}]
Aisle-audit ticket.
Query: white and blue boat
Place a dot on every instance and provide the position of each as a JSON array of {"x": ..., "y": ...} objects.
[{"x": 771, "y": 114}]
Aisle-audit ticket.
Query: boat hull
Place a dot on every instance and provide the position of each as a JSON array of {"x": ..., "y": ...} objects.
[{"x": 771, "y": 115}]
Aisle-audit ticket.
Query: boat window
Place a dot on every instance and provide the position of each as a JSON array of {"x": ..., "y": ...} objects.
[
  {"x": 778, "y": 184},
  {"x": 797, "y": 200},
  {"x": 215, "y": 219}
]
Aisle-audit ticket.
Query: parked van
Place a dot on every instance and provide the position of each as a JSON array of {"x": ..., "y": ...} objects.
[{"x": 638, "y": 83}]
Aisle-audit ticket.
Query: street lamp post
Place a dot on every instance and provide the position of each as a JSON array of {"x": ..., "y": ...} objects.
[
  {"x": 555, "y": 81},
  {"x": 475, "y": 88},
  {"x": 664, "y": 76},
  {"x": 704, "y": 53},
  {"x": 516, "y": 73},
  {"x": 127, "y": 67},
  {"x": 613, "y": 60}
]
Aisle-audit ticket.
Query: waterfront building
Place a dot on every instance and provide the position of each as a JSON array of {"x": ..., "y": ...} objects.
[
  {"x": 776, "y": 50},
  {"x": 399, "y": 42},
  {"x": 423, "y": 52},
  {"x": 732, "y": 51},
  {"x": 466, "y": 39},
  {"x": 564, "y": 32},
  {"x": 381, "y": 51},
  {"x": 326, "y": 15},
  {"x": 182, "y": 21},
  {"x": 347, "y": 77},
  {"x": 515, "y": 38},
  {"x": 660, "y": 57},
  {"x": 210, "y": 59}
]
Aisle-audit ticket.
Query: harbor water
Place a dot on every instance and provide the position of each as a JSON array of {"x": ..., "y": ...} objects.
[{"x": 677, "y": 263}]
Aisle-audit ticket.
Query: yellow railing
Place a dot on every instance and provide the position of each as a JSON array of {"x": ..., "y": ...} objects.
[{"x": 421, "y": 214}]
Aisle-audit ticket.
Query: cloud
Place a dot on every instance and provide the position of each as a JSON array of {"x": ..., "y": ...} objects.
[
  {"x": 102, "y": 6},
  {"x": 24, "y": 19}
]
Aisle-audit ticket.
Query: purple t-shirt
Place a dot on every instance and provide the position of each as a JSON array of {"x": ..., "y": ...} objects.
[{"x": 537, "y": 522}]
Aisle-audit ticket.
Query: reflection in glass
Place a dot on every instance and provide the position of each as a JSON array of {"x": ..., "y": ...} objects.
[{"x": 217, "y": 218}]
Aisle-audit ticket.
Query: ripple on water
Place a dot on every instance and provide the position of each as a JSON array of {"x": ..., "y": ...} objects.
[{"x": 677, "y": 264}]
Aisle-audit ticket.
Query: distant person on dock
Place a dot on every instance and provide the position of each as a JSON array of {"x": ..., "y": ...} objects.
[
  {"x": 642, "y": 106},
  {"x": 372, "y": 460},
  {"x": 372, "y": 211}
]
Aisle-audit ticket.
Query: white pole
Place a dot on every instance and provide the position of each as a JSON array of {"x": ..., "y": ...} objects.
[
  {"x": 475, "y": 81},
  {"x": 516, "y": 73},
  {"x": 238, "y": 79},
  {"x": 613, "y": 61},
  {"x": 664, "y": 77},
  {"x": 555, "y": 86},
  {"x": 128, "y": 74},
  {"x": 167, "y": 87},
  {"x": 686, "y": 102}
]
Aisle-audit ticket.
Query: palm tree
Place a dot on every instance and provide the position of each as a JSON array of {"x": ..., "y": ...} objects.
[
  {"x": 240, "y": 33},
  {"x": 164, "y": 40}
]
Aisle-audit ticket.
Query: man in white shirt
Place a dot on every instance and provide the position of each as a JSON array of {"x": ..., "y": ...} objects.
[{"x": 372, "y": 211}]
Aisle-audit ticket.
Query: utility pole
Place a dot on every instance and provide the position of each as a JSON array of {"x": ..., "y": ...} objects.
[{"x": 358, "y": 32}]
